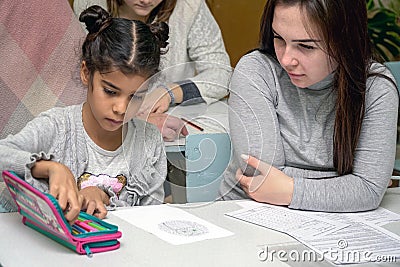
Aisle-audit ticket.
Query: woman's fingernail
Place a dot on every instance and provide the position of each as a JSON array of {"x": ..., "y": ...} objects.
[{"x": 245, "y": 157}]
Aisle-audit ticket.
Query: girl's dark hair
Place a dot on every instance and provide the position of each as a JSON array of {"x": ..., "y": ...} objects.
[
  {"x": 160, "y": 14},
  {"x": 342, "y": 24},
  {"x": 130, "y": 46}
]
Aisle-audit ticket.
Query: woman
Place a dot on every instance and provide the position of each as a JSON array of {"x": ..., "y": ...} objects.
[{"x": 315, "y": 108}]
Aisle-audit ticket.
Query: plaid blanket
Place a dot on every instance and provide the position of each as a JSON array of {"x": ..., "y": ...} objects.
[{"x": 40, "y": 43}]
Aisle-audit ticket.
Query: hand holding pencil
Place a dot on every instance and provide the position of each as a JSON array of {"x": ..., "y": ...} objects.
[{"x": 192, "y": 124}]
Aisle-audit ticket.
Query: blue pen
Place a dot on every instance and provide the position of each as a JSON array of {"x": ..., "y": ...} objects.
[{"x": 79, "y": 229}]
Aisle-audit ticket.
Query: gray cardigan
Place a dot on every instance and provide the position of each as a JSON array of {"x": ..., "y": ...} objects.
[
  {"x": 58, "y": 134},
  {"x": 292, "y": 129}
]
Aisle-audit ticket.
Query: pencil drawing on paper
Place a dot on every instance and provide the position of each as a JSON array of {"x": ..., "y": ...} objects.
[{"x": 183, "y": 228}]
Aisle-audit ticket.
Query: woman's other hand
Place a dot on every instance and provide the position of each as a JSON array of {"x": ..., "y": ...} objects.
[
  {"x": 156, "y": 101},
  {"x": 271, "y": 186},
  {"x": 170, "y": 127}
]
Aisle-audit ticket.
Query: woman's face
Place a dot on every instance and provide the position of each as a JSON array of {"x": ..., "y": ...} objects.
[
  {"x": 141, "y": 8},
  {"x": 300, "y": 54}
]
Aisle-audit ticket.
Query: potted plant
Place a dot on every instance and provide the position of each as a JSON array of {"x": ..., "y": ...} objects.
[{"x": 384, "y": 27}]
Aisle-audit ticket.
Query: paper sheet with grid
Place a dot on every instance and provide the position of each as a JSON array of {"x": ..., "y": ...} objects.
[{"x": 288, "y": 221}]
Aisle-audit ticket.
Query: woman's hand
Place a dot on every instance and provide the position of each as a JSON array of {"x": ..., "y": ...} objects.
[
  {"x": 157, "y": 101},
  {"x": 95, "y": 200},
  {"x": 271, "y": 186},
  {"x": 170, "y": 127},
  {"x": 62, "y": 186}
]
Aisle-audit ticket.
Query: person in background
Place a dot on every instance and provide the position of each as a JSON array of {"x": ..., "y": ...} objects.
[
  {"x": 196, "y": 68},
  {"x": 195, "y": 39},
  {"x": 315, "y": 115},
  {"x": 92, "y": 156}
]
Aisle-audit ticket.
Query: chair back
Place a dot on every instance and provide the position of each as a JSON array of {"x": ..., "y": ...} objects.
[{"x": 394, "y": 67}]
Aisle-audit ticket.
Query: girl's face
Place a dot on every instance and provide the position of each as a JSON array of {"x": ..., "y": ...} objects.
[
  {"x": 300, "y": 54},
  {"x": 108, "y": 99},
  {"x": 140, "y": 8}
]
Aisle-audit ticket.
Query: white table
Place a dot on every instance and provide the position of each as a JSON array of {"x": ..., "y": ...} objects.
[{"x": 22, "y": 246}]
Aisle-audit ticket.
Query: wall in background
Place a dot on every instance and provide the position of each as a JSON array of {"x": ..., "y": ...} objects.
[{"x": 239, "y": 21}]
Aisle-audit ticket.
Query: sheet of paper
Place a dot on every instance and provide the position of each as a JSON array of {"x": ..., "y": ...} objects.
[
  {"x": 288, "y": 221},
  {"x": 249, "y": 204},
  {"x": 181, "y": 141},
  {"x": 358, "y": 243},
  {"x": 380, "y": 216},
  {"x": 212, "y": 118},
  {"x": 213, "y": 123},
  {"x": 357, "y": 238},
  {"x": 171, "y": 224},
  {"x": 209, "y": 125}
]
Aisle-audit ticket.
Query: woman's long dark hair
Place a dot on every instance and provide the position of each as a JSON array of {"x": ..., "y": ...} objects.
[
  {"x": 159, "y": 14},
  {"x": 342, "y": 24}
]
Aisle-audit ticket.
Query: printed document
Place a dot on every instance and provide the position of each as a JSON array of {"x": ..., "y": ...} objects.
[{"x": 343, "y": 238}]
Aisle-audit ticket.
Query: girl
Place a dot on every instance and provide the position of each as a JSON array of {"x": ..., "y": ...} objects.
[
  {"x": 194, "y": 37},
  {"x": 312, "y": 103},
  {"x": 85, "y": 147}
]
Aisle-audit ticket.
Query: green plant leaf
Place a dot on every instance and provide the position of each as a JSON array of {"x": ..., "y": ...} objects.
[
  {"x": 383, "y": 29},
  {"x": 370, "y": 4}
]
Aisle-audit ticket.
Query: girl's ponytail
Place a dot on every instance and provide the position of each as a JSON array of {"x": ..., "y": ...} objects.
[
  {"x": 95, "y": 18},
  {"x": 161, "y": 32}
]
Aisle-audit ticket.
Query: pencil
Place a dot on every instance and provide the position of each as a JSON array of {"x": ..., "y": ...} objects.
[
  {"x": 86, "y": 226},
  {"x": 192, "y": 124},
  {"x": 97, "y": 226}
]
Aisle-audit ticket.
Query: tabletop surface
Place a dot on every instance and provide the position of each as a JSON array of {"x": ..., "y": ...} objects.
[{"x": 21, "y": 246}]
